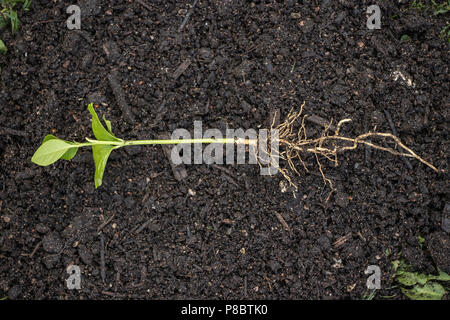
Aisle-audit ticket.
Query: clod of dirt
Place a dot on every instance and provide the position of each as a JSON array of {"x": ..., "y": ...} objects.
[
  {"x": 89, "y": 7},
  {"x": 86, "y": 61},
  {"x": 243, "y": 69},
  {"x": 52, "y": 243},
  {"x": 415, "y": 257},
  {"x": 96, "y": 98},
  {"x": 81, "y": 227},
  {"x": 446, "y": 218},
  {"x": 439, "y": 246},
  {"x": 50, "y": 261},
  {"x": 14, "y": 292},
  {"x": 85, "y": 255},
  {"x": 41, "y": 228},
  {"x": 324, "y": 242},
  {"x": 112, "y": 51}
]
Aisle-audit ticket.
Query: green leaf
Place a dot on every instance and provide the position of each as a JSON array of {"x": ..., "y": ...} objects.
[
  {"x": 69, "y": 153},
  {"x": 421, "y": 278},
  {"x": 405, "y": 37},
  {"x": 101, "y": 154},
  {"x": 51, "y": 151},
  {"x": 26, "y": 5},
  {"x": 421, "y": 240},
  {"x": 3, "y": 48},
  {"x": 406, "y": 278},
  {"x": 395, "y": 264},
  {"x": 441, "y": 277},
  {"x": 99, "y": 131},
  {"x": 108, "y": 124},
  {"x": 430, "y": 291}
]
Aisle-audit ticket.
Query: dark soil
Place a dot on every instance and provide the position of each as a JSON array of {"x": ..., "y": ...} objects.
[{"x": 218, "y": 234}]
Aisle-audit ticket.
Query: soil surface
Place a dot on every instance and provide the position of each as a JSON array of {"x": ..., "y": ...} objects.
[{"x": 224, "y": 231}]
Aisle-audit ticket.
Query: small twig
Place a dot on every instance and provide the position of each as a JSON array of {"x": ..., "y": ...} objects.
[
  {"x": 116, "y": 285},
  {"x": 113, "y": 294},
  {"x": 143, "y": 226},
  {"x": 11, "y": 132},
  {"x": 146, "y": 6},
  {"x": 268, "y": 282},
  {"x": 35, "y": 249},
  {"x": 282, "y": 221},
  {"x": 104, "y": 224},
  {"x": 102, "y": 257},
  {"x": 120, "y": 96},
  {"x": 186, "y": 19},
  {"x": 394, "y": 132},
  {"x": 181, "y": 68},
  {"x": 367, "y": 149},
  {"x": 339, "y": 242},
  {"x": 47, "y": 21}
]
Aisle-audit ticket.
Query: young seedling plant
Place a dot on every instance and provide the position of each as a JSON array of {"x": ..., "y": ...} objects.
[
  {"x": 293, "y": 144},
  {"x": 52, "y": 148}
]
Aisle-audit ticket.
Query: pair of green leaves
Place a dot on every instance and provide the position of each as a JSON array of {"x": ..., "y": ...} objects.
[
  {"x": 101, "y": 152},
  {"x": 418, "y": 286},
  {"x": 52, "y": 148}
]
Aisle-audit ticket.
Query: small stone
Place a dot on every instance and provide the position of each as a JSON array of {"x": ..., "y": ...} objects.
[
  {"x": 112, "y": 51},
  {"x": 206, "y": 54},
  {"x": 96, "y": 98},
  {"x": 85, "y": 255},
  {"x": 86, "y": 61},
  {"x": 41, "y": 228},
  {"x": 52, "y": 243},
  {"x": 14, "y": 292},
  {"x": 315, "y": 251},
  {"x": 342, "y": 199},
  {"x": 324, "y": 242},
  {"x": 275, "y": 266},
  {"x": 269, "y": 66},
  {"x": 50, "y": 261}
]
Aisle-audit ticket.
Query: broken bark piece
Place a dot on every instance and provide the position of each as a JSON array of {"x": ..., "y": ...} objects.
[
  {"x": 102, "y": 258},
  {"x": 179, "y": 171},
  {"x": 181, "y": 68},
  {"x": 339, "y": 242},
  {"x": 282, "y": 221},
  {"x": 120, "y": 96},
  {"x": 11, "y": 132}
]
